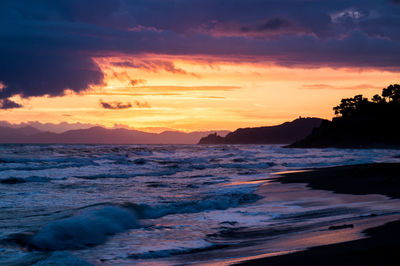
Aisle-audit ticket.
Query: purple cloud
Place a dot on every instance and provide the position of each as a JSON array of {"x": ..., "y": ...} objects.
[
  {"x": 115, "y": 105},
  {"x": 153, "y": 66},
  {"x": 269, "y": 28},
  {"x": 8, "y": 104},
  {"x": 47, "y": 46}
]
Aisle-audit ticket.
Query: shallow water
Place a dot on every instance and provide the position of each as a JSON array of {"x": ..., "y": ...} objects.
[{"x": 155, "y": 204}]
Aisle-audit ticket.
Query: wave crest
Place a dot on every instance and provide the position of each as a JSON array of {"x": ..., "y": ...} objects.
[{"x": 86, "y": 229}]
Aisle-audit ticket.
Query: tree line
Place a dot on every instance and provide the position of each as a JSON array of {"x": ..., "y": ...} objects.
[{"x": 388, "y": 104}]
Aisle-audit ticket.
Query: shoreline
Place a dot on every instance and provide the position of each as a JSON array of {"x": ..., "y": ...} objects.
[
  {"x": 380, "y": 247},
  {"x": 359, "y": 179}
]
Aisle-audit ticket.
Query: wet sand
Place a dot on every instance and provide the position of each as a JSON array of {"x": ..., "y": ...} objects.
[
  {"x": 382, "y": 243},
  {"x": 377, "y": 178},
  {"x": 296, "y": 230}
]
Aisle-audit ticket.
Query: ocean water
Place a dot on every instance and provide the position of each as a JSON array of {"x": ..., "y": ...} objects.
[{"x": 160, "y": 204}]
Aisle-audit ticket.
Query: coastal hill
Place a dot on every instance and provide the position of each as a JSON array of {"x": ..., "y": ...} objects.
[
  {"x": 99, "y": 135},
  {"x": 287, "y": 132},
  {"x": 10, "y": 133},
  {"x": 360, "y": 123}
]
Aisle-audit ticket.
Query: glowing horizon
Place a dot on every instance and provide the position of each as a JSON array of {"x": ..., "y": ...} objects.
[{"x": 189, "y": 95}]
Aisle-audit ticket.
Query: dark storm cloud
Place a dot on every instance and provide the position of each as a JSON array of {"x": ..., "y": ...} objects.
[
  {"x": 268, "y": 28},
  {"x": 37, "y": 74},
  {"x": 47, "y": 46},
  {"x": 270, "y": 25}
]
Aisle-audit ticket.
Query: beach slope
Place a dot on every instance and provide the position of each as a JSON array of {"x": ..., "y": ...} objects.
[{"x": 382, "y": 245}]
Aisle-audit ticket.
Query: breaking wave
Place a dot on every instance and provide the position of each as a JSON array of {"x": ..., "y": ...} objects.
[
  {"x": 208, "y": 203},
  {"x": 92, "y": 227},
  {"x": 89, "y": 228}
]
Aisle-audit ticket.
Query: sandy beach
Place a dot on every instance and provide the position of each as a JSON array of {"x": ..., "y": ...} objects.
[{"x": 380, "y": 244}]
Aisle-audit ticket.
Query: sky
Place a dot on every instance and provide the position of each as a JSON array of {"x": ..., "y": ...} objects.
[{"x": 192, "y": 64}]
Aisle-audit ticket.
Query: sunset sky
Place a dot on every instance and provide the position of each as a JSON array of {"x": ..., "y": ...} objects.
[{"x": 192, "y": 64}]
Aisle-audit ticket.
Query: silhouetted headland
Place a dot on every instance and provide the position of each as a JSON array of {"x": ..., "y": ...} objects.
[
  {"x": 287, "y": 132},
  {"x": 360, "y": 123}
]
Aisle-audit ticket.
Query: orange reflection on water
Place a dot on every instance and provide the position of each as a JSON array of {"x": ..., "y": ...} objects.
[{"x": 247, "y": 182}]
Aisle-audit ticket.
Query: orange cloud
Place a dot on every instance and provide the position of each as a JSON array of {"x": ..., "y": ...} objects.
[
  {"x": 142, "y": 104},
  {"x": 332, "y": 87},
  {"x": 231, "y": 94},
  {"x": 190, "y": 88},
  {"x": 135, "y": 82}
]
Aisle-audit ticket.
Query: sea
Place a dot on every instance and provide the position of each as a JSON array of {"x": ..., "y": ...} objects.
[{"x": 167, "y": 204}]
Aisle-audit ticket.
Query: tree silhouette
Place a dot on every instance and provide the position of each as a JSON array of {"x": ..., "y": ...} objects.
[
  {"x": 351, "y": 106},
  {"x": 388, "y": 103},
  {"x": 392, "y": 92},
  {"x": 360, "y": 123},
  {"x": 378, "y": 99}
]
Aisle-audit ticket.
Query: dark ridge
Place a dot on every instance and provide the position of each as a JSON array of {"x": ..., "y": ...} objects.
[
  {"x": 360, "y": 132},
  {"x": 9, "y": 132},
  {"x": 281, "y": 134}
]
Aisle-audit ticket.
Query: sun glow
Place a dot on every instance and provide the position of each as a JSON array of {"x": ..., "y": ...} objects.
[{"x": 200, "y": 93}]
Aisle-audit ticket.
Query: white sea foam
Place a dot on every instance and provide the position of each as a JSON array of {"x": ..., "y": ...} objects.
[
  {"x": 173, "y": 249},
  {"x": 207, "y": 203},
  {"x": 86, "y": 229},
  {"x": 91, "y": 227},
  {"x": 75, "y": 196}
]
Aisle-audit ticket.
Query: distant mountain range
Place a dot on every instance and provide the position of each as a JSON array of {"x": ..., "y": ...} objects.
[
  {"x": 285, "y": 133},
  {"x": 99, "y": 135}
]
